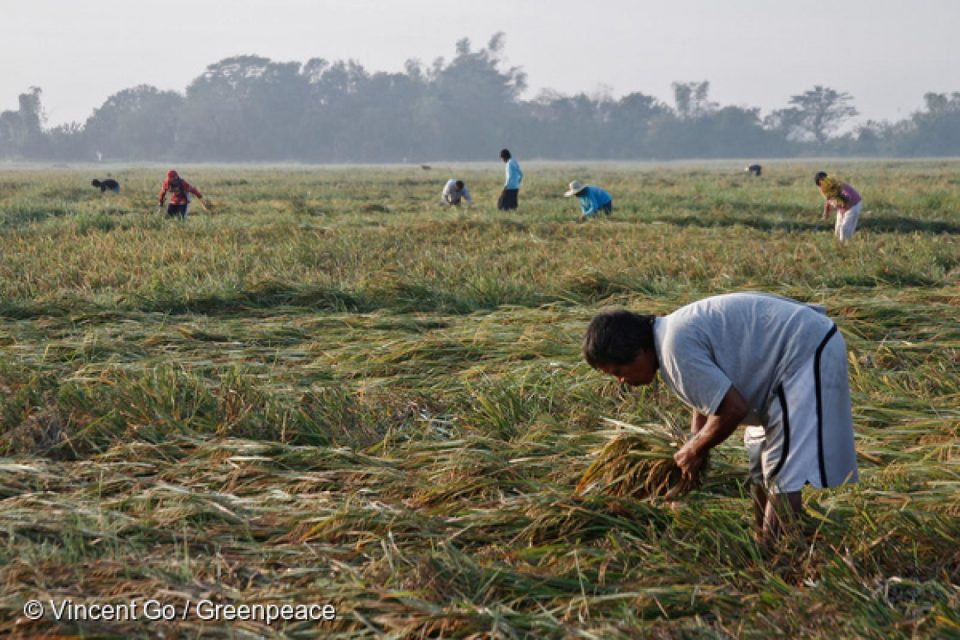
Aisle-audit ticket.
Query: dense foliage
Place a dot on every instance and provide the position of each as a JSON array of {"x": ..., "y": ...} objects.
[{"x": 252, "y": 109}]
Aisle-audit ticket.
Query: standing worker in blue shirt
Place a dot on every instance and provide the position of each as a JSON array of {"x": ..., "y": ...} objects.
[
  {"x": 508, "y": 197},
  {"x": 592, "y": 199}
]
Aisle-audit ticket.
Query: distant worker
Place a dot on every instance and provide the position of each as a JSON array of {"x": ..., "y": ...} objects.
[
  {"x": 845, "y": 200},
  {"x": 754, "y": 170},
  {"x": 511, "y": 188},
  {"x": 180, "y": 191},
  {"x": 455, "y": 191},
  {"x": 106, "y": 185},
  {"x": 592, "y": 199}
]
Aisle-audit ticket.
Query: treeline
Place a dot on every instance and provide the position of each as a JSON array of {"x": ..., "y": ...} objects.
[{"x": 253, "y": 109}]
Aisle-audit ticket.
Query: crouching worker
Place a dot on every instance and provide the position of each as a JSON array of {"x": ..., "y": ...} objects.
[
  {"x": 592, "y": 199},
  {"x": 845, "y": 200},
  {"x": 180, "y": 191},
  {"x": 455, "y": 191},
  {"x": 753, "y": 359},
  {"x": 106, "y": 185}
]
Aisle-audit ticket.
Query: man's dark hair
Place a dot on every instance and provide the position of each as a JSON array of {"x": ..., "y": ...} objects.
[
  {"x": 505, "y": 154},
  {"x": 820, "y": 176},
  {"x": 617, "y": 337},
  {"x": 95, "y": 183},
  {"x": 459, "y": 184}
]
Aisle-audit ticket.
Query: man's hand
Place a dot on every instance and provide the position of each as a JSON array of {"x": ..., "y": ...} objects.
[
  {"x": 690, "y": 460},
  {"x": 710, "y": 432}
]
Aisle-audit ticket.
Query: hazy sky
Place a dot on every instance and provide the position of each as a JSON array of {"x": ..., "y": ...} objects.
[{"x": 886, "y": 53}]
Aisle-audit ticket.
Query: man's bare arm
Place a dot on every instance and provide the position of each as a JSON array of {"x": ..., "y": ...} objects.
[
  {"x": 697, "y": 420},
  {"x": 716, "y": 428}
]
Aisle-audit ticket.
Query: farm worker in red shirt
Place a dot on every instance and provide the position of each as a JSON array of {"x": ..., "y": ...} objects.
[{"x": 180, "y": 191}]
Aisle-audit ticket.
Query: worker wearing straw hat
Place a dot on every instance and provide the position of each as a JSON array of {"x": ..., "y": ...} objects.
[
  {"x": 592, "y": 199},
  {"x": 745, "y": 358}
]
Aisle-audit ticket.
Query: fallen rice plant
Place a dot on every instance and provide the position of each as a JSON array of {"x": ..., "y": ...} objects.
[
  {"x": 384, "y": 407},
  {"x": 638, "y": 462}
]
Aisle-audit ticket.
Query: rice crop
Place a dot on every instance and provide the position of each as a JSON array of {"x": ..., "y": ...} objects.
[
  {"x": 335, "y": 391},
  {"x": 638, "y": 462}
]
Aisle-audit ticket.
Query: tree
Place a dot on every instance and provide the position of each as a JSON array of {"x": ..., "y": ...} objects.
[
  {"x": 628, "y": 124},
  {"x": 479, "y": 110},
  {"x": 244, "y": 107},
  {"x": 251, "y": 108},
  {"x": 68, "y": 142},
  {"x": 568, "y": 127},
  {"x": 21, "y": 131},
  {"x": 934, "y": 131},
  {"x": 331, "y": 127},
  {"x": 388, "y": 122},
  {"x": 139, "y": 123},
  {"x": 691, "y": 99},
  {"x": 814, "y": 114}
]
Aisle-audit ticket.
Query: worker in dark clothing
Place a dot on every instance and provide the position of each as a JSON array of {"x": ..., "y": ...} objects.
[{"x": 106, "y": 185}]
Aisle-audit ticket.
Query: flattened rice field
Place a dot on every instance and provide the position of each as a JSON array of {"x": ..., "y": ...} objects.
[{"x": 335, "y": 391}]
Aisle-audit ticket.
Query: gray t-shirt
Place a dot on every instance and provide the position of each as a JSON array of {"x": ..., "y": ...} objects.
[{"x": 749, "y": 340}]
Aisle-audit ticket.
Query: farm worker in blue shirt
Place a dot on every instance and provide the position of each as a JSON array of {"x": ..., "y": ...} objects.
[
  {"x": 511, "y": 188},
  {"x": 592, "y": 199}
]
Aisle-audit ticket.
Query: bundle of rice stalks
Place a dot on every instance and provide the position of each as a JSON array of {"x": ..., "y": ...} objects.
[
  {"x": 638, "y": 463},
  {"x": 207, "y": 205}
]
